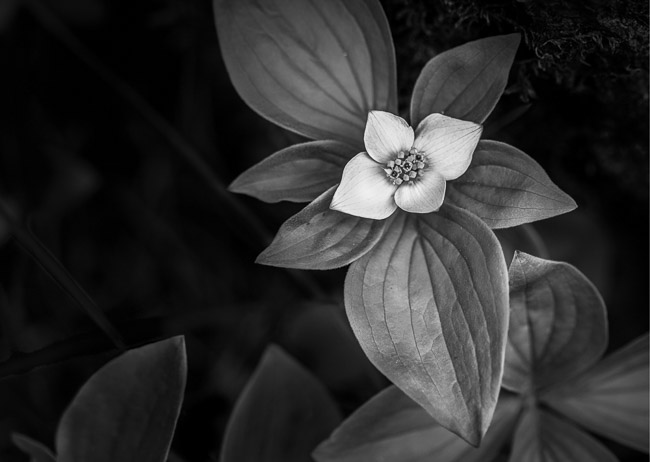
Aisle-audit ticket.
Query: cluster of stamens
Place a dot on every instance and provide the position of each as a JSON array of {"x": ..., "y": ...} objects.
[{"x": 406, "y": 167}]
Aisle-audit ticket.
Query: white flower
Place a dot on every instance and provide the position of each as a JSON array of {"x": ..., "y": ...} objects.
[{"x": 405, "y": 169}]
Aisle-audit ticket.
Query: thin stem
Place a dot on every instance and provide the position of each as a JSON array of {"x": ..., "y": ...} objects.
[
  {"x": 55, "y": 269},
  {"x": 188, "y": 152}
]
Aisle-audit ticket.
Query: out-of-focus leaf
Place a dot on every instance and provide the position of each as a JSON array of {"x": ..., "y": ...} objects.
[
  {"x": 37, "y": 451},
  {"x": 313, "y": 67},
  {"x": 558, "y": 323},
  {"x": 73, "y": 182},
  {"x": 299, "y": 173},
  {"x": 465, "y": 82},
  {"x": 281, "y": 415},
  {"x": 175, "y": 458},
  {"x": 8, "y": 9},
  {"x": 612, "y": 397},
  {"x": 429, "y": 306},
  {"x": 391, "y": 427},
  {"x": 505, "y": 187},
  {"x": 320, "y": 238},
  {"x": 319, "y": 334},
  {"x": 127, "y": 410},
  {"x": 524, "y": 238},
  {"x": 498, "y": 123},
  {"x": 541, "y": 437}
]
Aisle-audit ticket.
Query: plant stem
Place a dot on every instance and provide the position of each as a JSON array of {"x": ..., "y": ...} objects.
[
  {"x": 188, "y": 152},
  {"x": 55, "y": 269}
]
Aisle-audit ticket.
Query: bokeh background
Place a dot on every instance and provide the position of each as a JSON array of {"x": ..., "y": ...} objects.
[{"x": 92, "y": 96}]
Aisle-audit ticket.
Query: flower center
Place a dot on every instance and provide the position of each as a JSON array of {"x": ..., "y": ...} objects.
[{"x": 406, "y": 167}]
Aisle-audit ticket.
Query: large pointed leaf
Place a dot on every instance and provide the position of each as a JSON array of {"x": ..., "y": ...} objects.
[
  {"x": 505, "y": 187},
  {"x": 37, "y": 451},
  {"x": 541, "y": 437},
  {"x": 429, "y": 306},
  {"x": 612, "y": 397},
  {"x": 281, "y": 415},
  {"x": 313, "y": 67},
  {"x": 558, "y": 323},
  {"x": 127, "y": 410},
  {"x": 320, "y": 238},
  {"x": 465, "y": 82},
  {"x": 299, "y": 173},
  {"x": 391, "y": 427}
]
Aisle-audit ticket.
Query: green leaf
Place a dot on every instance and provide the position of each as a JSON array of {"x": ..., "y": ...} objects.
[
  {"x": 299, "y": 173},
  {"x": 541, "y": 437},
  {"x": 611, "y": 398},
  {"x": 320, "y": 238},
  {"x": 281, "y": 415},
  {"x": 127, "y": 410},
  {"x": 37, "y": 451},
  {"x": 316, "y": 68},
  {"x": 392, "y": 427},
  {"x": 505, "y": 187},
  {"x": 558, "y": 323},
  {"x": 465, "y": 82},
  {"x": 429, "y": 306}
]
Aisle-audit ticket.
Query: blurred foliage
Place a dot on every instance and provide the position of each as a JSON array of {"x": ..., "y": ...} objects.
[{"x": 143, "y": 234}]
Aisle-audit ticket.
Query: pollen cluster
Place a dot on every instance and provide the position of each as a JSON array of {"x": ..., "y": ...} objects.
[{"x": 406, "y": 167}]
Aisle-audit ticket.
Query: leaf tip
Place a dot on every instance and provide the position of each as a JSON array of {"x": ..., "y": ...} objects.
[
  {"x": 267, "y": 258},
  {"x": 572, "y": 204},
  {"x": 178, "y": 342},
  {"x": 246, "y": 184},
  {"x": 274, "y": 354},
  {"x": 513, "y": 39},
  {"x": 238, "y": 185},
  {"x": 262, "y": 259},
  {"x": 473, "y": 435}
]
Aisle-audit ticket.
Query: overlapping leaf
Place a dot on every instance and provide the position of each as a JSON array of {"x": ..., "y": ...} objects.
[
  {"x": 37, "y": 452},
  {"x": 541, "y": 437},
  {"x": 558, "y": 323},
  {"x": 505, "y": 187},
  {"x": 312, "y": 67},
  {"x": 299, "y": 173},
  {"x": 282, "y": 414},
  {"x": 391, "y": 427},
  {"x": 612, "y": 397},
  {"x": 127, "y": 410},
  {"x": 319, "y": 333},
  {"x": 429, "y": 306},
  {"x": 465, "y": 82},
  {"x": 524, "y": 238},
  {"x": 320, "y": 238}
]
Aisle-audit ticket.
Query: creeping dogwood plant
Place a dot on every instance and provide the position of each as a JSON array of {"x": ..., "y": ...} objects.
[
  {"x": 404, "y": 169},
  {"x": 554, "y": 384},
  {"x": 412, "y": 211}
]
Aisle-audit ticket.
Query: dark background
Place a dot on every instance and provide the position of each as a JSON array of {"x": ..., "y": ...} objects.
[{"x": 85, "y": 162}]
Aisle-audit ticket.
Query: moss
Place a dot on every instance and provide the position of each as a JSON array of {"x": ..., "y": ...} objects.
[
  {"x": 587, "y": 46},
  {"x": 584, "y": 65}
]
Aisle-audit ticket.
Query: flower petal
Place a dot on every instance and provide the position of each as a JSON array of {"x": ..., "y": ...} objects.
[
  {"x": 424, "y": 195},
  {"x": 448, "y": 143},
  {"x": 386, "y": 134},
  {"x": 364, "y": 190}
]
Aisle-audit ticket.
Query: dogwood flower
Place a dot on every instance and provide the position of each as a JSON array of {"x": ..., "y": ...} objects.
[{"x": 405, "y": 169}]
